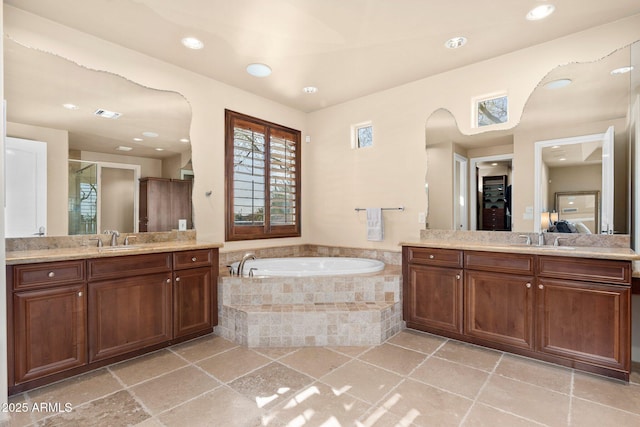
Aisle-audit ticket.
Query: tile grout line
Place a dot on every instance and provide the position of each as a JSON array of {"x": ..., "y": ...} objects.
[{"x": 484, "y": 385}]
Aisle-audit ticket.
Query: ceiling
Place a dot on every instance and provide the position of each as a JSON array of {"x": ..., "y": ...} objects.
[{"x": 345, "y": 48}]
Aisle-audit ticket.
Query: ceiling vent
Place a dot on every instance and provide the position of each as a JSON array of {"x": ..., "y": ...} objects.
[{"x": 101, "y": 112}]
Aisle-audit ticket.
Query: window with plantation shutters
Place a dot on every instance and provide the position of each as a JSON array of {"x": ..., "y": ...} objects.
[{"x": 262, "y": 179}]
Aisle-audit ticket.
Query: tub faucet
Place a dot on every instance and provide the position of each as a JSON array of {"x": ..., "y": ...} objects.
[{"x": 247, "y": 256}]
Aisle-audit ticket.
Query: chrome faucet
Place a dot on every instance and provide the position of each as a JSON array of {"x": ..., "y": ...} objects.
[
  {"x": 541, "y": 238},
  {"x": 114, "y": 236},
  {"x": 247, "y": 256}
]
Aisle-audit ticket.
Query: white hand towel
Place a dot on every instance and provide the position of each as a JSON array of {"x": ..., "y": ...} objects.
[{"x": 375, "y": 226}]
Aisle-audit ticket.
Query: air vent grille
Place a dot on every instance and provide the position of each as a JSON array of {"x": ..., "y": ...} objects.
[{"x": 101, "y": 112}]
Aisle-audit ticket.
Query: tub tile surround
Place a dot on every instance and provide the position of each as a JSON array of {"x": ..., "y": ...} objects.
[{"x": 361, "y": 309}]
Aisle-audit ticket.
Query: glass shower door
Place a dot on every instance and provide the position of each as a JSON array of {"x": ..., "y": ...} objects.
[{"x": 83, "y": 197}]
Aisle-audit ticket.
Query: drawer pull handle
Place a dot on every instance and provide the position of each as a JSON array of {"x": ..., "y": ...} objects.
[
  {"x": 177, "y": 279},
  {"x": 80, "y": 293},
  {"x": 457, "y": 276},
  {"x": 432, "y": 256},
  {"x": 528, "y": 285},
  {"x": 540, "y": 287},
  {"x": 194, "y": 259},
  {"x": 51, "y": 274}
]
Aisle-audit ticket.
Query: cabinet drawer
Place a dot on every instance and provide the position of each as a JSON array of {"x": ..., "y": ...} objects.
[
  {"x": 30, "y": 276},
  {"x": 436, "y": 257},
  {"x": 592, "y": 270},
  {"x": 124, "y": 266},
  {"x": 500, "y": 262},
  {"x": 190, "y": 259}
]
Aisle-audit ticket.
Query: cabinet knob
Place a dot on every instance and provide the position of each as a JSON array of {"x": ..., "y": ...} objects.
[
  {"x": 458, "y": 276},
  {"x": 540, "y": 286},
  {"x": 528, "y": 285},
  {"x": 80, "y": 293},
  {"x": 168, "y": 280},
  {"x": 177, "y": 279},
  {"x": 194, "y": 259},
  {"x": 432, "y": 256},
  {"x": 51, "y": 274}
]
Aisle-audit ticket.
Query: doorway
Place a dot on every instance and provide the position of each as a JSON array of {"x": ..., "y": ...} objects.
[{"x": 491, "y": 201}]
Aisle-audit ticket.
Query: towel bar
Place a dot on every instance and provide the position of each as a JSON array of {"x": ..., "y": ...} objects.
[{"x": 401, "y": 208}]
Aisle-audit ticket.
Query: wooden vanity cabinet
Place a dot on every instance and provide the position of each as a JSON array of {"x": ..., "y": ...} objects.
[
  {"x": 567, "y": 310},
  {"x": 499, "y": 301},
  {"x": 194, "y": 302},
  {"x": 434, "y": 278},
  {"x": 129, "y": 303},
  {"x": 47, "y": 329}
]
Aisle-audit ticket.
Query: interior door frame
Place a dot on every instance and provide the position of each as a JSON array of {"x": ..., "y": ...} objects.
[{"x": 473, "y": 184}]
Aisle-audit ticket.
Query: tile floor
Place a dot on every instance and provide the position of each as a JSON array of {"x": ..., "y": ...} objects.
[{"x": 413, "y": 379}]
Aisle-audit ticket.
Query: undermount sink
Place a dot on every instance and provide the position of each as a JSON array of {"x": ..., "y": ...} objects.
[{"x": 118, "y": 248}]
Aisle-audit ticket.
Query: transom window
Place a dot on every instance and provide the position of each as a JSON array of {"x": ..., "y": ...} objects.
[
  {"x": 491, "y": 110},
  {"x": 262, "y": 179},
  {"x": 362, "y": 135}
]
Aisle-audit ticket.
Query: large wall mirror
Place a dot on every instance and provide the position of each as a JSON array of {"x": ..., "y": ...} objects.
[
  {"x": 94, "y": 161},
  {"x": 571, "y": 101}
]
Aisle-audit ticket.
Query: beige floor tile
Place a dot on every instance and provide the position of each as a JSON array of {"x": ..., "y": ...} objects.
[
  {"x": 20, "y": 411},
  {"x": 315, "y": 361},
  {"x": 352, "y": 351},
  {"x": 486, "y": 416},
  {"x": 118, "y": 409},
  {"x": 362, "y": 380},
  {"x": 451, "y": 376},
  {"x": 418, "y": 341},
  {"x": 77, "y": 390},
  {"x": 274, "y": 353},
  {"x": 381, "y": 417},
  {"x": 234, "y": 363},
  {"x": 588, "y": 414},
  {"x": 320, "y": 405},
  {"x": 204, "y": 347},
  {"x": 393, "y": 358},
  {"x": 470, "y": 355},
  {"x": 614, "y": 393},
  {"x": 271, "y": 384},
  {"x": 531, "y": 371},
  {"x": 526, "y": 400},
  {"x": 146, "y": 367},
  {"x": 424, "y": 405},
  {"x": 635, "y": 373},
  {"x": 167, "y": 391},
  {"x": 150, "y": 422},
  {"x": 220, "y": 407}
]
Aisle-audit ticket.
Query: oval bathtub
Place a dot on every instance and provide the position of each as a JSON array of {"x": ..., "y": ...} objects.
[{"x": 308, "y": 266}]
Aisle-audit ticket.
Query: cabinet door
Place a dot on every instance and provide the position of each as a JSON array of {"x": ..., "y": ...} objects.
[
  {"x": 128, "y": 314},
  {"x": 155, "y": 205},
  {"x": 499, "y": 308},
  {"x": 585, "y": 322},
  {"x": 49, "y": 331},
  {"x": 435, "y": 298},
  {"x": 191, "y": 301}
]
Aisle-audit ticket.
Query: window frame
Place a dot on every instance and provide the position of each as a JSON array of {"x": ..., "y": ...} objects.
[
  {"x": 355, "y": 137},
  {"x": 475, "y": 121},
  {"x": 235, "y": 232}
]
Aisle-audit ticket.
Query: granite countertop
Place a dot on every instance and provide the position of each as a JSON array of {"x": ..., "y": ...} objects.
[
  {"x": 84, "y": 252},
  {"x": 614, "y": 253}
]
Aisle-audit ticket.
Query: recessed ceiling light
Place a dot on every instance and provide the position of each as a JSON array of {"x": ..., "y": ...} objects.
[
  {"x": 138, "y": 139},
  {"x": 310, "y": 89},
  {"x": 540, "y": 12},
  {"x": 150, "y": 134},
  {"x": 494, "y": 164},
  {"x": 159, "y": 149},
  {"x": 184, "y": 140},
  {"x": 621, "y": 70},
  {"x": 557, "y": 84},
  {"x": 562, "y": 159},
  {"x": 455, "y": 42},
  {"x": 192, "y": 43},
  {"x": 124, "y": 148},
  {"x": 258, "y": 70},
  {"x": 69, "y": 106}
]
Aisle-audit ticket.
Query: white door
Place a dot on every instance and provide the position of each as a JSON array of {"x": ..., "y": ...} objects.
[
  {"x": 25, "y": 188},
  {"x": 460, "y": 193},
  {"x": 607, "y": 183}
]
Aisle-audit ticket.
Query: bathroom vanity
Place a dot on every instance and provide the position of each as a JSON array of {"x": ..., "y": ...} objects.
[
  {"x": 570, "y": 306},
  {"x": 75, "y": 309}
]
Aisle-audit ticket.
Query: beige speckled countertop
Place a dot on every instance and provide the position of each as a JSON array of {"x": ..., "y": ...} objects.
[
  {"x": 83, "y": 252},
  {"x": 615, "y": 253}
]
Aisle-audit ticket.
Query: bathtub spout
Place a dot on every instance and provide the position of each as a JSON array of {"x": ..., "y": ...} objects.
[{"x": 247, "y": 256}]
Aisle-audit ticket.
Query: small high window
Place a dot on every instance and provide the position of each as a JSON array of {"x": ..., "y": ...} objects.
[
  {"x": 362, "y": 135},
  {"x": 491, "y": 110}
]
